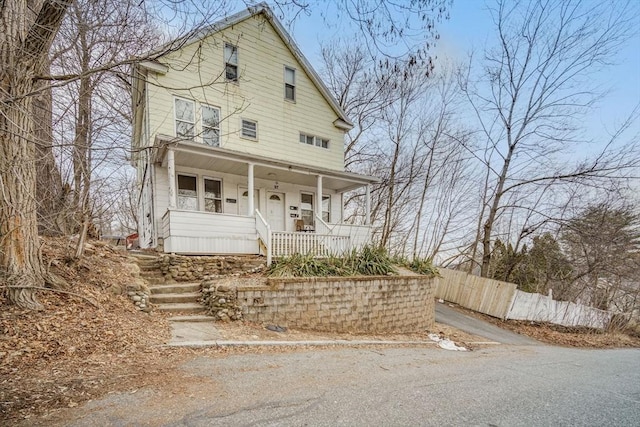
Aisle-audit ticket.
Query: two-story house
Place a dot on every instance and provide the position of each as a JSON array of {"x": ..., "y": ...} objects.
[{"x": 239, "y": 147}]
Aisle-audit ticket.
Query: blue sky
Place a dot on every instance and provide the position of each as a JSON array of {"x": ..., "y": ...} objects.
[{"x": 470, "y": 28}]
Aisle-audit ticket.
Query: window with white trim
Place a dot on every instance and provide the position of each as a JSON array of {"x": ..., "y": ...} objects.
[
  {"x": 187, "y": 192},
  {"x": 249, "y": 129},
  {"x": 185, "y": 118},
  {"x": 313, "y": 140},
  {"x": 231, "y": 62},
  {"x": 211, "y": 125},
  {"x": 326, "y": 208},
  {"x": 289, "y": 83},
  {"x": 212, "y": 195},
  {"x": 306, "y": 209}
]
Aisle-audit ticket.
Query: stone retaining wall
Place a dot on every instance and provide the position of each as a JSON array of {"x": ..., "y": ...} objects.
[
  {"x": 196, "y": 268},
  {"x": 352, "y": 304}
]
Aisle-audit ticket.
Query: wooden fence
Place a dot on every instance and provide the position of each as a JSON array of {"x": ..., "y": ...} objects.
[
  {"x": 487, "y": 296},
  {"x": 505, "y": 301}
]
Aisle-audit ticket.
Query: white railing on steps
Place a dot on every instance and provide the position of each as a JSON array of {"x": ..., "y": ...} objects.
[{"x": 265, "y": 235}]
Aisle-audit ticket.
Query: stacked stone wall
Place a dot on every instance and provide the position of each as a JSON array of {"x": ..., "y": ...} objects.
[{"x": 198, "y": 268}]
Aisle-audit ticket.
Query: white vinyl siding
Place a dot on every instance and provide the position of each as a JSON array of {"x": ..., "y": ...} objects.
[{"x": 259, "y": 97}]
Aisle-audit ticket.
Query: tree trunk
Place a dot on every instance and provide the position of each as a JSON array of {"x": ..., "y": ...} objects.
[
  {"x": 28, "y": 29},
  {"x": 493, "y": 213}
]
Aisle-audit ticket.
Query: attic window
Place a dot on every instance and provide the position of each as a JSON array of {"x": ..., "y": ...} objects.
[
  {"x": 289, "y": 83},
  {"x": 249, "y": 129},
  {"x": 231, "y": 62}
]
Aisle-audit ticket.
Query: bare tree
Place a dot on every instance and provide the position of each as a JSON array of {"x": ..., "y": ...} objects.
[
  {"x": 28, "y": 30},
  {"x": 533, "y": 90}
]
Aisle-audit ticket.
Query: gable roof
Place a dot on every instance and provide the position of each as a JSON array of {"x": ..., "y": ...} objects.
[{"x": 343, "y": 121}]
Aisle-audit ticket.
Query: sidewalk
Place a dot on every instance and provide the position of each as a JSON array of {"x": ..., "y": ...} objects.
[{"x": 235, "y": 334}]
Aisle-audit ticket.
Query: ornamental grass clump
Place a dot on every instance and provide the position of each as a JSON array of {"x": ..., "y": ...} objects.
[{"x": 366, "y": 262}]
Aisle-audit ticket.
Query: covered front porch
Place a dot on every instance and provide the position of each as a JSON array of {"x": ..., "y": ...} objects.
[{"x": 224, "y": 202}]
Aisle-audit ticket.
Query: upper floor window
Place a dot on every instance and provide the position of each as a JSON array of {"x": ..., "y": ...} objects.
[
  {"x": 211, "y": 125},
  {"x": 314, "y": 140},
  {"x": 249, "y": 129},
  {"x": 289, "y": 83},
  {"x": 231, "y": 62},
  {"x": 185, "y": 118}
]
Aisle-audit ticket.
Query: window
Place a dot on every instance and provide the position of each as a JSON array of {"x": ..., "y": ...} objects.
[
  {"x": 212, "y": 195},
  {"x": 289, "y": 84},
  {"x": 211, "y": 126},
  {"x": 187, "y": 192},
  {"x": 306, "y": 139},
  {"x": 231, "y": 62},
  {"x": 249, "y": 129},
  {"x": 326, "y": 208},
  {"x": 185, "y": 121},
  {"x": 314, "y": 140},
  {"x": 306, "y": 209}
]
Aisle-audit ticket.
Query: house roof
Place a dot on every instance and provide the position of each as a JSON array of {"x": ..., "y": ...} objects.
[{"x": 343, "y": 121}]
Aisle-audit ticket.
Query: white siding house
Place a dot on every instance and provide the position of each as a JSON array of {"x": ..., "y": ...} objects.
[{"x": 239, "y": 146}]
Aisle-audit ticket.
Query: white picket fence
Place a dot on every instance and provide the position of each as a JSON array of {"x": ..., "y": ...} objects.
[{"x": 503, "y": 300}]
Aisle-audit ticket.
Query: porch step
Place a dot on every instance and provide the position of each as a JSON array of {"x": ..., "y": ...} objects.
[
  {"x": 176, "y": 288},
  {"x": 188, "y": 307},
  {"x": 143, "y": 256},
  {"x": 190, "y": 297}
]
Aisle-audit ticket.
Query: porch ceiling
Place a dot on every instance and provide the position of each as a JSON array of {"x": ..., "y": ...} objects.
[{"x": 216, "y": 159}]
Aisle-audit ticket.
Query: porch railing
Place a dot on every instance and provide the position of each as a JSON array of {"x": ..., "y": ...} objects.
[
  {"x": 328, "y": 240},
  {"x": 264, "y": 234},
  {"x": 289, "y": 243}
]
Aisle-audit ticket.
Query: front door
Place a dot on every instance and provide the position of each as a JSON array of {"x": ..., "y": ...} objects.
[{"x": 275, "y": 211}]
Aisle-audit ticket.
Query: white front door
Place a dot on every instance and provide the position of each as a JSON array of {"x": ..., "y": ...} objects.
[
  {"x": 243, "y": 200},
  {"x": 275, "y": 211}
]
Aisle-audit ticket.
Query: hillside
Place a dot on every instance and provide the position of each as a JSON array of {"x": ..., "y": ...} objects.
[{"x": 83, "y": 340}]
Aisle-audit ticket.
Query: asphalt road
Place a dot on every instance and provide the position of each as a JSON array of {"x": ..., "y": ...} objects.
[
  {"x": 496, "y": 386},
  {"x": 472, "y": 325}
]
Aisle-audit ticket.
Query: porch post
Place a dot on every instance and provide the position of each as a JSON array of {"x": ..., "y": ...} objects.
[
  {"x": 319, "y": 197},
  {"x": 367, "y": 205},
  {"x": 250, "y": 190},
  {"x": 171, "y": 169}
]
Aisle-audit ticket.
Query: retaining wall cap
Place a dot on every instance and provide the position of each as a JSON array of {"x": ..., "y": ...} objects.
[{"x": 338, "y": 279}]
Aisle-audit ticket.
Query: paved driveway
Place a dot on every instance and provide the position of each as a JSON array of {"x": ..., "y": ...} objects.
[
  {"x": 472, "y": 325},
  {"x": 425, "y": 386}
]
